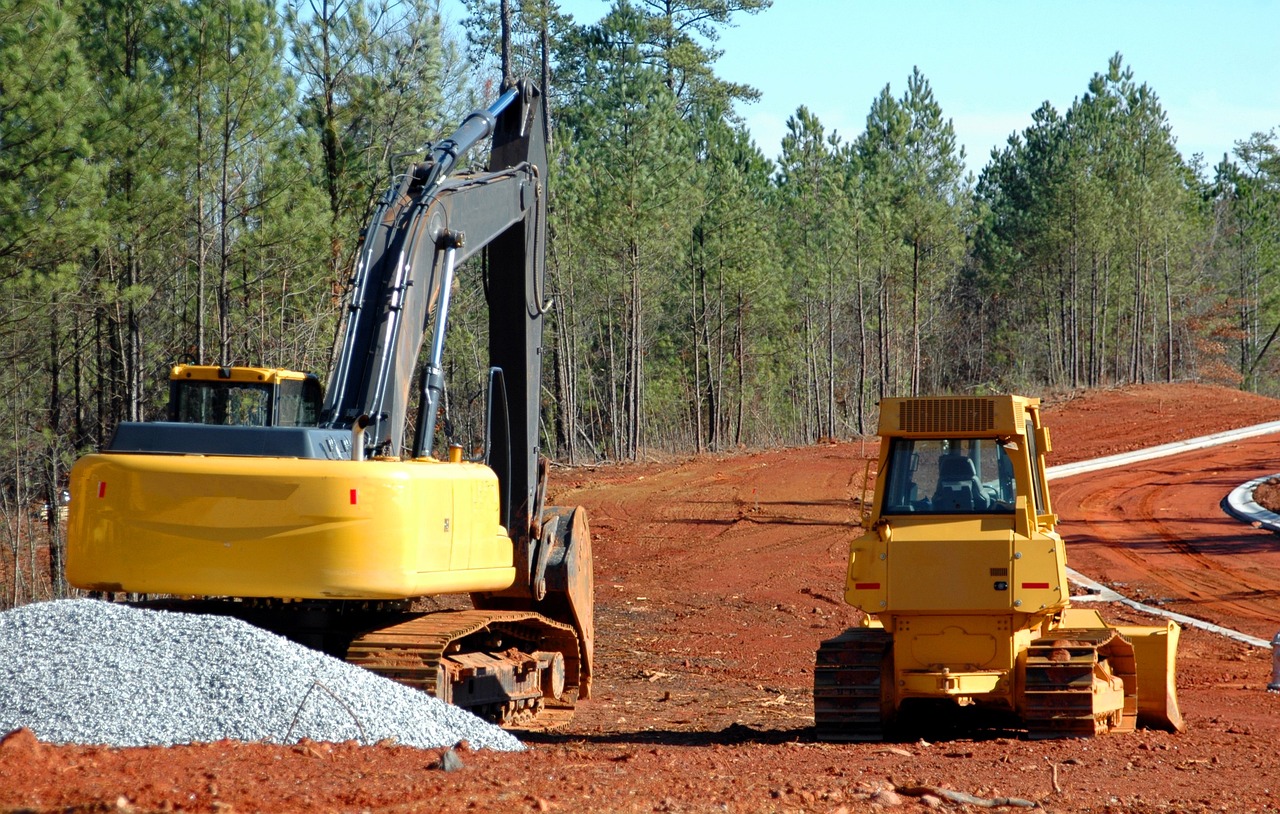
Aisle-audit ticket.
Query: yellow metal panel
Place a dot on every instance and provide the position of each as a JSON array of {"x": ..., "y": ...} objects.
[
  {"x": 953, "y": 684},
  {"x": 954, "y": 573},
  {"x": 1155, "y": 649},
  {"x": 276, "y": 527},
  {"x": 213, "y": 373},
  {"x": 956, "y": 642},
  {"x": 1081, "y": 618},
  {"x": 955, "y": 645},
  {"x": 867, "y": 585},
  {"x": 1039, "y": 576},
  {"x": 958, "y": 656}
]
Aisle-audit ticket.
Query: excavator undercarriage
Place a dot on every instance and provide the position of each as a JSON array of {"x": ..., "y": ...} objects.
[
  {"x": 515, "y": 669},
  {"x": 518, "y": 669}
]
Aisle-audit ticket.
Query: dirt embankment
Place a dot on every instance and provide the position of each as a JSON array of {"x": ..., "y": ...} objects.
[{"x": 716, "y": 579}]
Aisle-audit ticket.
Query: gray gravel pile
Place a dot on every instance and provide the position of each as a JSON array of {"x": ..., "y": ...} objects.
[{"x": 91, "y": 672}]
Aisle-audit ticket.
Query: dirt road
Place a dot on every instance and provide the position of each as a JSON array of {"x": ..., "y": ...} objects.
[
  {"x": 1156, "y": 532},
  {"x": 717, "y": 577}
]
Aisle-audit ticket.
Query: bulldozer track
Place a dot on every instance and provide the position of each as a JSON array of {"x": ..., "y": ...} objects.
[
  {"x": 1059, "y": 684},
  {"x": 848, "y": 692},
  {"x": 410, "y": 653}
]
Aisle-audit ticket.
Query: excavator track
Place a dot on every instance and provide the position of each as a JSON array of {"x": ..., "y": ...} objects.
[
  {"x": 481, "y": 660},
  {"x": 1079, "y": 683},
  {"x": 515, "y": 668},
  {"x": 850, "y": 698}
]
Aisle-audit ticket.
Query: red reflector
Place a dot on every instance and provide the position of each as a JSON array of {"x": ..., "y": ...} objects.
[
  {"x": 866, "y": 586},
  {"x": 1033, "y": 585},
  {"x": 102, "y": 488},
  {"x": 353, "y": 497}
]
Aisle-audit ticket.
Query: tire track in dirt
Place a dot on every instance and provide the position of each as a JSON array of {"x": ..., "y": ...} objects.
[{"x": 1160, "y": 531}]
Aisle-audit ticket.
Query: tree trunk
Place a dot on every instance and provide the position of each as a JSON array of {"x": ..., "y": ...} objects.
[
  {"x": 1094, "y": 337},
  {"x": 882, "y": 331},
  {"x": 915, "y": 317},
  {"x": 53, "y": 474},
  {"x": 696, "y": 337},
  {"x": 830, "y": 430},
  {"x": 1168, "y": 316},
  {"x": 636, "y": 407},
  {"x": 740, "y": 352},
  {"x": 504, "y": 18},
  {"x": 862, "y": 354}
]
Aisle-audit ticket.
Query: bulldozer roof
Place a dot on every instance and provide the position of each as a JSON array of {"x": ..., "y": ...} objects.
[{"x": 948, "y": 416}]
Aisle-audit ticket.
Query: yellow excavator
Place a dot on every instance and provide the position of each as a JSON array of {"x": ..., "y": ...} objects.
[
  {"x": 323, "y": 517},
  {"x": 962, "y": 578}
]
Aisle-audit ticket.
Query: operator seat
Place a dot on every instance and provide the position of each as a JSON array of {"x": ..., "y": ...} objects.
[{"x": 958, "y": 486}]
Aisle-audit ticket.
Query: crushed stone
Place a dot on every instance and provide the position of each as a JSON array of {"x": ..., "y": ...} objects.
[{"x": 97, "y": 673}]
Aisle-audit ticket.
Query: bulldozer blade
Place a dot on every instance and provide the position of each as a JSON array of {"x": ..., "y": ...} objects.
[{"x": 1155, "y": 649}]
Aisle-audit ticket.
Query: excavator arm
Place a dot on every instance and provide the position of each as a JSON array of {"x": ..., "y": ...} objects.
[
  {"x": 426, "y": 225},
  {"x": 423, "y": 228}
]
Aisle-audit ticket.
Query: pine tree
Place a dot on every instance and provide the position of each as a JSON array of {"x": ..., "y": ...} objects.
[
  {"x": 48, "y": 187},
  {"x": 629, "y": 167}
]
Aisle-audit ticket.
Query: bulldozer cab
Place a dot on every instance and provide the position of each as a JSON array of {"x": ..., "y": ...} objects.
[
  {"x": 243, "y": 396},
  {"x": 949, "y": 476}
]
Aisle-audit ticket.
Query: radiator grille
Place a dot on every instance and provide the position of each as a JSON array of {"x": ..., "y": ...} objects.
[{"x": 947, "y": 415}]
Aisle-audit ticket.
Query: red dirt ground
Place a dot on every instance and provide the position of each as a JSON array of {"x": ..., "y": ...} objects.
[{"x": 717, "y": 576}]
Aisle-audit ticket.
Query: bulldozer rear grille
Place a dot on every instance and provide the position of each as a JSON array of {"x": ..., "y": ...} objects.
[{"x": 947, "y": 415}]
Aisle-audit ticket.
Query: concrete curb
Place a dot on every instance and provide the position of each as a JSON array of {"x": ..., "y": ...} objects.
[
  {"x": 1174, "y": 448},
  {"x": 1239, "y": 504}
]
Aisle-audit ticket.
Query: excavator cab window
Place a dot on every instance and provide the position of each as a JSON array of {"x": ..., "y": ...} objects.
[
  {"x": 948, "y": 476},
  {"x": 298, "y": 404},
  {"x": 286, "y": 402},
  {"x": 242, "y": 404}
]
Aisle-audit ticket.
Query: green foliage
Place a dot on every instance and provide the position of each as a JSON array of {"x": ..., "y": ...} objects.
[
  {"x": 47, "y": 178},
  {"x": 918, "y": 206},
  {"x": 372, "y": 88},
  {"x": 627, "y": 191},
  {"x": 1245, "y": 199},
  {"x": 187, "y": 181},
  {"x": 1093, "y": 239}
]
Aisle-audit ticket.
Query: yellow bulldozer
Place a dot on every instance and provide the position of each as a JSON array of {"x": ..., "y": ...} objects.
[{"x": 962, "y": 577}]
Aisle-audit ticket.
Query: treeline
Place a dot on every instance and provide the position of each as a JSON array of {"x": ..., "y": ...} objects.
[{"x": 186, "y": 181}]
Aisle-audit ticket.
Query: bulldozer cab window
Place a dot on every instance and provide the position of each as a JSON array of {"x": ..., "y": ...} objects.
[
  {"x": 235, "y": 404},
  {"x": 948, "y": 476}
]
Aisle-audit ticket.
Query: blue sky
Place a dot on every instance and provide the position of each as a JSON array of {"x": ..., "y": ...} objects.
[{"x": 1215, "y": 66}]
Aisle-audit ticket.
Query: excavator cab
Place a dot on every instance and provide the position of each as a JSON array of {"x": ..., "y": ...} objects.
[{"x": 243, "y": 396}]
